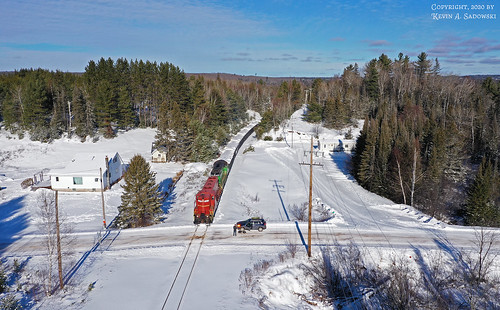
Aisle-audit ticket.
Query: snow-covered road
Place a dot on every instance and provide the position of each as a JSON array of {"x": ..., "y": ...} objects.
[{"x": 277, "y": 234}]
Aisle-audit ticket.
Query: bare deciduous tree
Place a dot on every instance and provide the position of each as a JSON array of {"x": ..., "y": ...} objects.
[
  {"x": 46, "y": 211},
  {"x": 480, "y": 263},
  {"x": 299, "y": 212}
]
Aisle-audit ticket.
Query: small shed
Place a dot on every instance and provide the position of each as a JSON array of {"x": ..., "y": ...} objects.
[
  {"x": 159, "y": 154},
  {"x": 83, "y": 173},
  {"x": 336, "y": 145}
]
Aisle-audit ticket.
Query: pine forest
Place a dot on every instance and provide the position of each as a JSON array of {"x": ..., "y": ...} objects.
[{"x": 429, "y": 140}]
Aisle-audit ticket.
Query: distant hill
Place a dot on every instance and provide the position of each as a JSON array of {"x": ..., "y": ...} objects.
[
  {"x": 305, "y": 80},
  {"x": 277, "y": 80},
  {"x": 255, "y": 78}
]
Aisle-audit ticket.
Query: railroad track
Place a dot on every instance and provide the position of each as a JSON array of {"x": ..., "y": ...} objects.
[{"x": 183, "y": 275}]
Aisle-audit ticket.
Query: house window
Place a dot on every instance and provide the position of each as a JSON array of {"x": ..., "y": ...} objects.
[
  {"x": 57, "y": 179},
  {"x": 77, "y": 180},
  {"x": 96, "y": 179},
  {"x": 114, "y": 159}
]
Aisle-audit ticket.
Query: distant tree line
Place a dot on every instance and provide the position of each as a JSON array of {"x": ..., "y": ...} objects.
[
  {"x": 193, "y": 116},
  {"x": 428, "y": 140}
]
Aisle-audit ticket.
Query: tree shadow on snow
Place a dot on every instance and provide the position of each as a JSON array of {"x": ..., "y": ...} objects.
[
  {"x": 12, "y": 222},
  {"x": 167, "y": 188},
  {"x": 454, "y": 252},
  {"x": 343, "y": 162}
]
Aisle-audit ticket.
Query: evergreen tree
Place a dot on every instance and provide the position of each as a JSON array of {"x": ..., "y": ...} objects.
[
  {"x": 329, "y": 114},
  {"x": 436, "y": 152},
  {"x": 383, "y": 152},
  {"x": 296, "y": 92},
  {"x": 480, "y": 204},
  {"x": 218, "y": 110},
  {"x": 125, "y": 109},
  {"x": 422, "y": 65},
  {"x": 314, "y": 113},
  {"x": 315, "y": 90},
  {"x": 235, "y": 107},
  {"x": 436, "y": 69},
  {"x": 371, "y": 80},
  {"x": 283, "y": 91},
  {"x": 359, "y": 149},
  {"x": 367, "y": 159},
  {"x": 141, "y": 199},
  {"x": 79, "y": 120},
  {"x": 106, "y": 107},
  {"x": 266, "y": 123},
  {"x": 36, "y": 104},
  {"x": 198, "y": 93},
  {"x": 180, "y": 147},
  {"x": 60, "y": 112},
  {"x": 11, "y": 107},
  {"x": 204, "y": 149},
  {"x": 335, "y": 113},
  {"x": 385, "y": 62}
]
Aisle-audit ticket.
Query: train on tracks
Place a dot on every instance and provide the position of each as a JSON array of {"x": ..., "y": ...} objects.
[{"x": 208, "y": 197}]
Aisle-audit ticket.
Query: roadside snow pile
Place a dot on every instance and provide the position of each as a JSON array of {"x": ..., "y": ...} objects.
[
  {"x": 283, "y": 284},
  {"x": 350, "y": 277},
  {"x": 321, "y": 211},
  {"x": 401, "y": 213}
]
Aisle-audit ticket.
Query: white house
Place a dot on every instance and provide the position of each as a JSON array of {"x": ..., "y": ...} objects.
[
  {"x": 159, "y": 155},
  {"x": 83, "y": 173},
  {"x": 336, "y": 145}
]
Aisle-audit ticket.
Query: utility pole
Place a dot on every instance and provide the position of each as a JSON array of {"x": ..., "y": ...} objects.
[
  {"x": 59, "y": 255},
  {"x": 311, "y": 164},
  {"x": 102, "y": 199}
]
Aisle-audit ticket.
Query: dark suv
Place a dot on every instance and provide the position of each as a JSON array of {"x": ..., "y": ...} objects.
[{"x": 254, "y": 223}]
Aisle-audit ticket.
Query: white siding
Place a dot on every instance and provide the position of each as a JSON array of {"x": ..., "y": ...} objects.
[
  {"x": 66, "y": 183},
  {"x": 339, "y": 145},
  {"x": 159, "y": 156},
  {"x": 88, "y": 167}
]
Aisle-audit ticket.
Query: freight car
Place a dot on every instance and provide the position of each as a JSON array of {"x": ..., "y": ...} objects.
[{"x": 208, "y": 197}]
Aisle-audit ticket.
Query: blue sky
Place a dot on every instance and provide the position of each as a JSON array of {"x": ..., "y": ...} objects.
[{"x": 266, "y": 38}]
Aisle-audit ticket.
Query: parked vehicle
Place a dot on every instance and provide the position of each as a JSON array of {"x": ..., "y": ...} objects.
[{"x": 254, "y": 223}]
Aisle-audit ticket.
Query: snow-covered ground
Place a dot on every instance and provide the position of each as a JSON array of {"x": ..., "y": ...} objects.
[{"x": 136, "y": 268}]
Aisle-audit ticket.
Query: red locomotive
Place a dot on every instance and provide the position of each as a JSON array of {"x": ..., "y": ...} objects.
[{"x": 208, "y": 197}]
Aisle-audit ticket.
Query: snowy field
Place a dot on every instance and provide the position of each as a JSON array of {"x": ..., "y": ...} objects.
[{"x": 136, "y": 268}]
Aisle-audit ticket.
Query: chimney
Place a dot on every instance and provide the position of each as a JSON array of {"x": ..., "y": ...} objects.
[{"x": 108, "y": 174}]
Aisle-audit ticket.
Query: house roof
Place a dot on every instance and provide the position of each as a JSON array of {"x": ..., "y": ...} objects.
[
  {"x": 85, "y": 164},
  {"x": 160, "y": 149}
]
